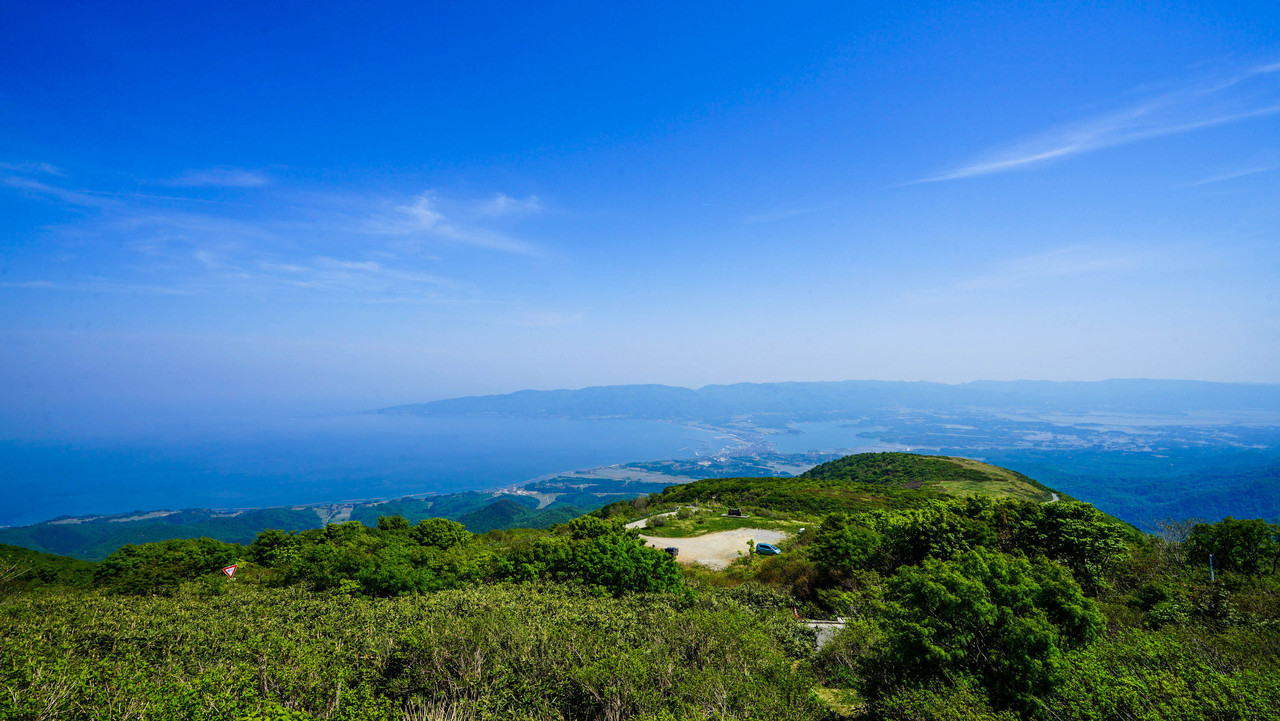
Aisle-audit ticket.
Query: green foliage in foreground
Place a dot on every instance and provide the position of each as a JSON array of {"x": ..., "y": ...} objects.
[
  {"x": 1173, "y": 675},
  {"x": 435, "y": 554},
  {"x": 996, "y": 608},
  {"x": 970, "y": 608},
  {"x": 987, "y": 616},
  {"x": 1074, "y": 534},
  {"x": 498, "y": 652}
]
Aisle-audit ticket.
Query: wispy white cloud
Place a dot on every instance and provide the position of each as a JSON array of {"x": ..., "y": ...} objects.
[
  {"x": 1252, "y": 93},
  {"x": 96, "y": 286},
  {"x": 1240, "y": 172},
  {"x": 420, "y": 215},
  {"x": 32, "y": 178},
  {"x": 349, "y": 246},
  {"x": 71, "y": 197},
  {"x": 32, "y": 167},
  {"x": 221, "y": 177},
  {"x": 424, "y": 217},
  {"x": 254, "y": 270},
  {"x": 503, "y": 204}
]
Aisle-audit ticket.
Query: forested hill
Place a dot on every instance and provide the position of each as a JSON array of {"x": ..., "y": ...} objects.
[
  {"x": 867, "y": 482},
  {"x": 718, "y": 402},
  {"x": 955, "y": 476}
]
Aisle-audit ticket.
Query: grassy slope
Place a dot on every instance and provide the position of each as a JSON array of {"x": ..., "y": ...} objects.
[
  {"x": 862, "y": 482},
  {"x": 946, "y": 474}
]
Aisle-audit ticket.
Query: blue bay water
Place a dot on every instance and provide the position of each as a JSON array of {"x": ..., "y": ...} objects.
[
  {"x": 312, "y": 460},
  {"x": 824, "y": 436}
]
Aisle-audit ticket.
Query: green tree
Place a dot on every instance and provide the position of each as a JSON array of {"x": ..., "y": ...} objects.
[
  {"x": 159, "y": 568},
  {"x": 841, "y": 547},
  {"x": 441, "y": 533},
  {"x": 586, "y": 527},
  {"x": 614, "y": 563},
  {"x": 1244, "y": 546},
  {"x": 1075, "y": 534},
  {"x": 393, "y": 523},
  {"x": 274, "y": 547},
  {"x": 998, "y": 619}
]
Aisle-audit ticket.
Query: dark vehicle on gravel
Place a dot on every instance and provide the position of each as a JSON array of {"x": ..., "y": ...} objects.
[{"x": 672, "y": 551}]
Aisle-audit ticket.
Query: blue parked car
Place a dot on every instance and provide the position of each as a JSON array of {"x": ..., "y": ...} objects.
[{"x": 767, "y": 549}]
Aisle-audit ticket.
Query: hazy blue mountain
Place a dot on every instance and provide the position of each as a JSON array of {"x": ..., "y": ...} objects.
[{"x": 716, "y": 403}]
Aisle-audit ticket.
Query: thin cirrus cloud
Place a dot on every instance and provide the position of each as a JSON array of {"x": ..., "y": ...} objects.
[
  {"x": 1240, "y": 172},
  {"x": 32, "y": 167},
  {"x": 342, "y": 244},
  {"x": 31, "y": 186},
  {"x": 502, "y": 204},
  {"x": 1249, "y": 94},
  {"x": 424, "y": 217},
  {"x": 355, "y": 279},
  {"x": 762, "y": 218},
  {"x": 97, "y": 285},
  {"x": 221, "y": 178}
]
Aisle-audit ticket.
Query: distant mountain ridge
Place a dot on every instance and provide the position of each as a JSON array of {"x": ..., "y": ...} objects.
[{"x": 719, "y": 402}]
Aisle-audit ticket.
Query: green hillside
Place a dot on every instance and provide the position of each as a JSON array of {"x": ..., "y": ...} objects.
[
  {"x": 23, "y": 568},
  {"x": 946, "y": 474},
  {"x": 95, "y": 538},
  {"x": 864, "y": 482}
]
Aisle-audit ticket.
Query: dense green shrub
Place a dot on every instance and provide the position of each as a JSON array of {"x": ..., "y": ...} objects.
[
  {"x": 1074, "y": 534},
  {"x": 494, "y": 652},
  {"x": 160, "y": 568},
  {"x": 615, "y": 563},
  {"x": 393, "y": 559},
  {"x": 441, "y": 533},
  {"x": 1244, "y": 546},
  {"x": 1172, "y": 675},
  {"x": 996, "y": 619}
]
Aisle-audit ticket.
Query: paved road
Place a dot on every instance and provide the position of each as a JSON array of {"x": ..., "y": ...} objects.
[{"x": 716, "y": 550}]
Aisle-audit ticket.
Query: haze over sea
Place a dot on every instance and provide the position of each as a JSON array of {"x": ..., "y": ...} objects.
[{"x": 312, "y": 459}]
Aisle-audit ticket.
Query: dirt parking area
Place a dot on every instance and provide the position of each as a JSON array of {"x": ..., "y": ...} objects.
[{"x": 716, "y": 550}]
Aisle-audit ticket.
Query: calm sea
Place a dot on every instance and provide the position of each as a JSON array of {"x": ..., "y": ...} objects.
[
  {"x": 826, "y": 436},
  {"x": 312, "y": 460}
]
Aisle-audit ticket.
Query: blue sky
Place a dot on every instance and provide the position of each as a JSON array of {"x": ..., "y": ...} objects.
[{"x": 318, "y": 205}]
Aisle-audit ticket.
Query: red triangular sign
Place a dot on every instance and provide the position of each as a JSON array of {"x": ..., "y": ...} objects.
[{"x": 230, "y": 571}]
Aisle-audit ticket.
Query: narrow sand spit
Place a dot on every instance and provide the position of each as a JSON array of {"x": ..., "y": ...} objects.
[{"x": 716, "y": 550}]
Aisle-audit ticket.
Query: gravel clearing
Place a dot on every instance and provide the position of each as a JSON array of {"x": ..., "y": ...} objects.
[{"x": 716, "y": 550}]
